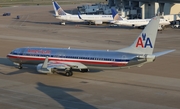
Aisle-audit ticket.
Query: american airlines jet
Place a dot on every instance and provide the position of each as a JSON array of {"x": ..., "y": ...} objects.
[
  {"x": 51, "y": 60},
  {"x": 135, "y": 22},
  {"x": 63, "y": 16}
]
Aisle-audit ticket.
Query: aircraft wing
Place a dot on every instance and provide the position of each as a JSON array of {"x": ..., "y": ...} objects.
[
  {"x": 93, "y": 21},
  {"x": 53, "y": 66},
  {"x": 83, "y": 18},
  {"x": 73, "y": 65},
  {"x": 90, "y": 20}
]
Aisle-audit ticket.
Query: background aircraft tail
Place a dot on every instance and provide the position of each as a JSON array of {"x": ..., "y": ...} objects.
[
  {"x": 79, "y": 15},
  {"x": 58, "y": 10},
  {"x": 144, "y": 44},
  {"x": 115, "y": 15}
]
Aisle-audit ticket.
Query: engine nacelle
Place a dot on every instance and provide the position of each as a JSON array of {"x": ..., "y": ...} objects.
[
  {"x": 43, "y": 70},
  {"x": 98, "y": 22}
]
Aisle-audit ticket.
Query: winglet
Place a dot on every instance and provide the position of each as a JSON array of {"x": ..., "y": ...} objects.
[
  {"x": 79, "y": 15},
  {"x": 45, "y": 63}
]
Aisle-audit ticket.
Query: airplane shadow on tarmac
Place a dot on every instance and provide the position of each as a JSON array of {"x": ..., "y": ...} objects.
[
  {"x": 82, "y": 24},
  {"x": 40, "y": 22},
  {"x": 31, "y": 68},
  {"x": 55, "y": 23},
  {"x": 60, "y": 95}
]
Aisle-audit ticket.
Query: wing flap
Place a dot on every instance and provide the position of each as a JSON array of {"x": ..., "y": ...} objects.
[{"x": 74, "y": 65}]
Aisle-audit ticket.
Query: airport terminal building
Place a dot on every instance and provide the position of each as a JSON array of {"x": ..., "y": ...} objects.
[
  {"x": 137, "y": 8},
  {"x": 146, "y": 8}
]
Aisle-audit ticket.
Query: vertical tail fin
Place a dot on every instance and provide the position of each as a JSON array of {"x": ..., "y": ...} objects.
[
  {"x": 115, "y": 14},
  {"x": 58, "y": 10},
  {"x": 145, "y": 42}
]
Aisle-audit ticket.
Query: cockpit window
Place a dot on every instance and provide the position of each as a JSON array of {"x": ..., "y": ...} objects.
[{"x": 17, "y": 51}]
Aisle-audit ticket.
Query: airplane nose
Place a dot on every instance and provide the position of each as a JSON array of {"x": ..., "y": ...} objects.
[{"x": 8, "y": 56}]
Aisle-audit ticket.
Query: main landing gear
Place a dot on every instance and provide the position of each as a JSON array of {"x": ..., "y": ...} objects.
[
  {"x": 20, "y": 67},
  {"x": 68, "y": 72}
]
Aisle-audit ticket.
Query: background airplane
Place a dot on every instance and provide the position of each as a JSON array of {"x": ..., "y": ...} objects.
[
  {"x": 96, "y": 19},
  {"x": 51, "y": 60},
  {"x": 118, "y": 20},
  {"x": 63, "y": 16}
]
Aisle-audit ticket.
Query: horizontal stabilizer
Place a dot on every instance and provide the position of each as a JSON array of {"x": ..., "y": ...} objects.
[{"x": 162, "y": 53}]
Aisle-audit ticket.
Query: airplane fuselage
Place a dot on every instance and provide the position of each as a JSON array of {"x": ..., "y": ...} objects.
[
  {"x": 75, "y": 18},
  {"x": 96, "y": 58},
  {"x": 70, "y": 18},
  {"x": 139, "y": 22}
]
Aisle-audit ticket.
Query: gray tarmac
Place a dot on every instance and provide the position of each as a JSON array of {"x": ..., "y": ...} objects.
[{"x": 153, "y": 86}]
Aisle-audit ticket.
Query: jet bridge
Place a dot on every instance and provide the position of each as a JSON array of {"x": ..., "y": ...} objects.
[{"x": 145, "y": 8}]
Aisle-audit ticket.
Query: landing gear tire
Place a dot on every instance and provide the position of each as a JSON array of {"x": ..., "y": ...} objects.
[
  {"x": 69, "y": 72},
  {"x": 89, "y": 23},
  {"x": 20, "y": 66}
]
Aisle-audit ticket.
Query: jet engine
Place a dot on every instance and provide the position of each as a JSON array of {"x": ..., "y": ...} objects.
[
  {"x": 55, "y": 68},
  {"x": 44, "y": 70}
]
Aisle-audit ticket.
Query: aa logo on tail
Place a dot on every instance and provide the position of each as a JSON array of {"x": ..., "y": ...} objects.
[{"x": 144, "y": 41}]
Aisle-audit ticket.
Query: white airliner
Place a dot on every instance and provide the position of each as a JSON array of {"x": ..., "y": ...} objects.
[
  {"x": 51, "y": 60},
  {"x": 63, "y": 16},
  {"x": 135, "y": 22}
]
